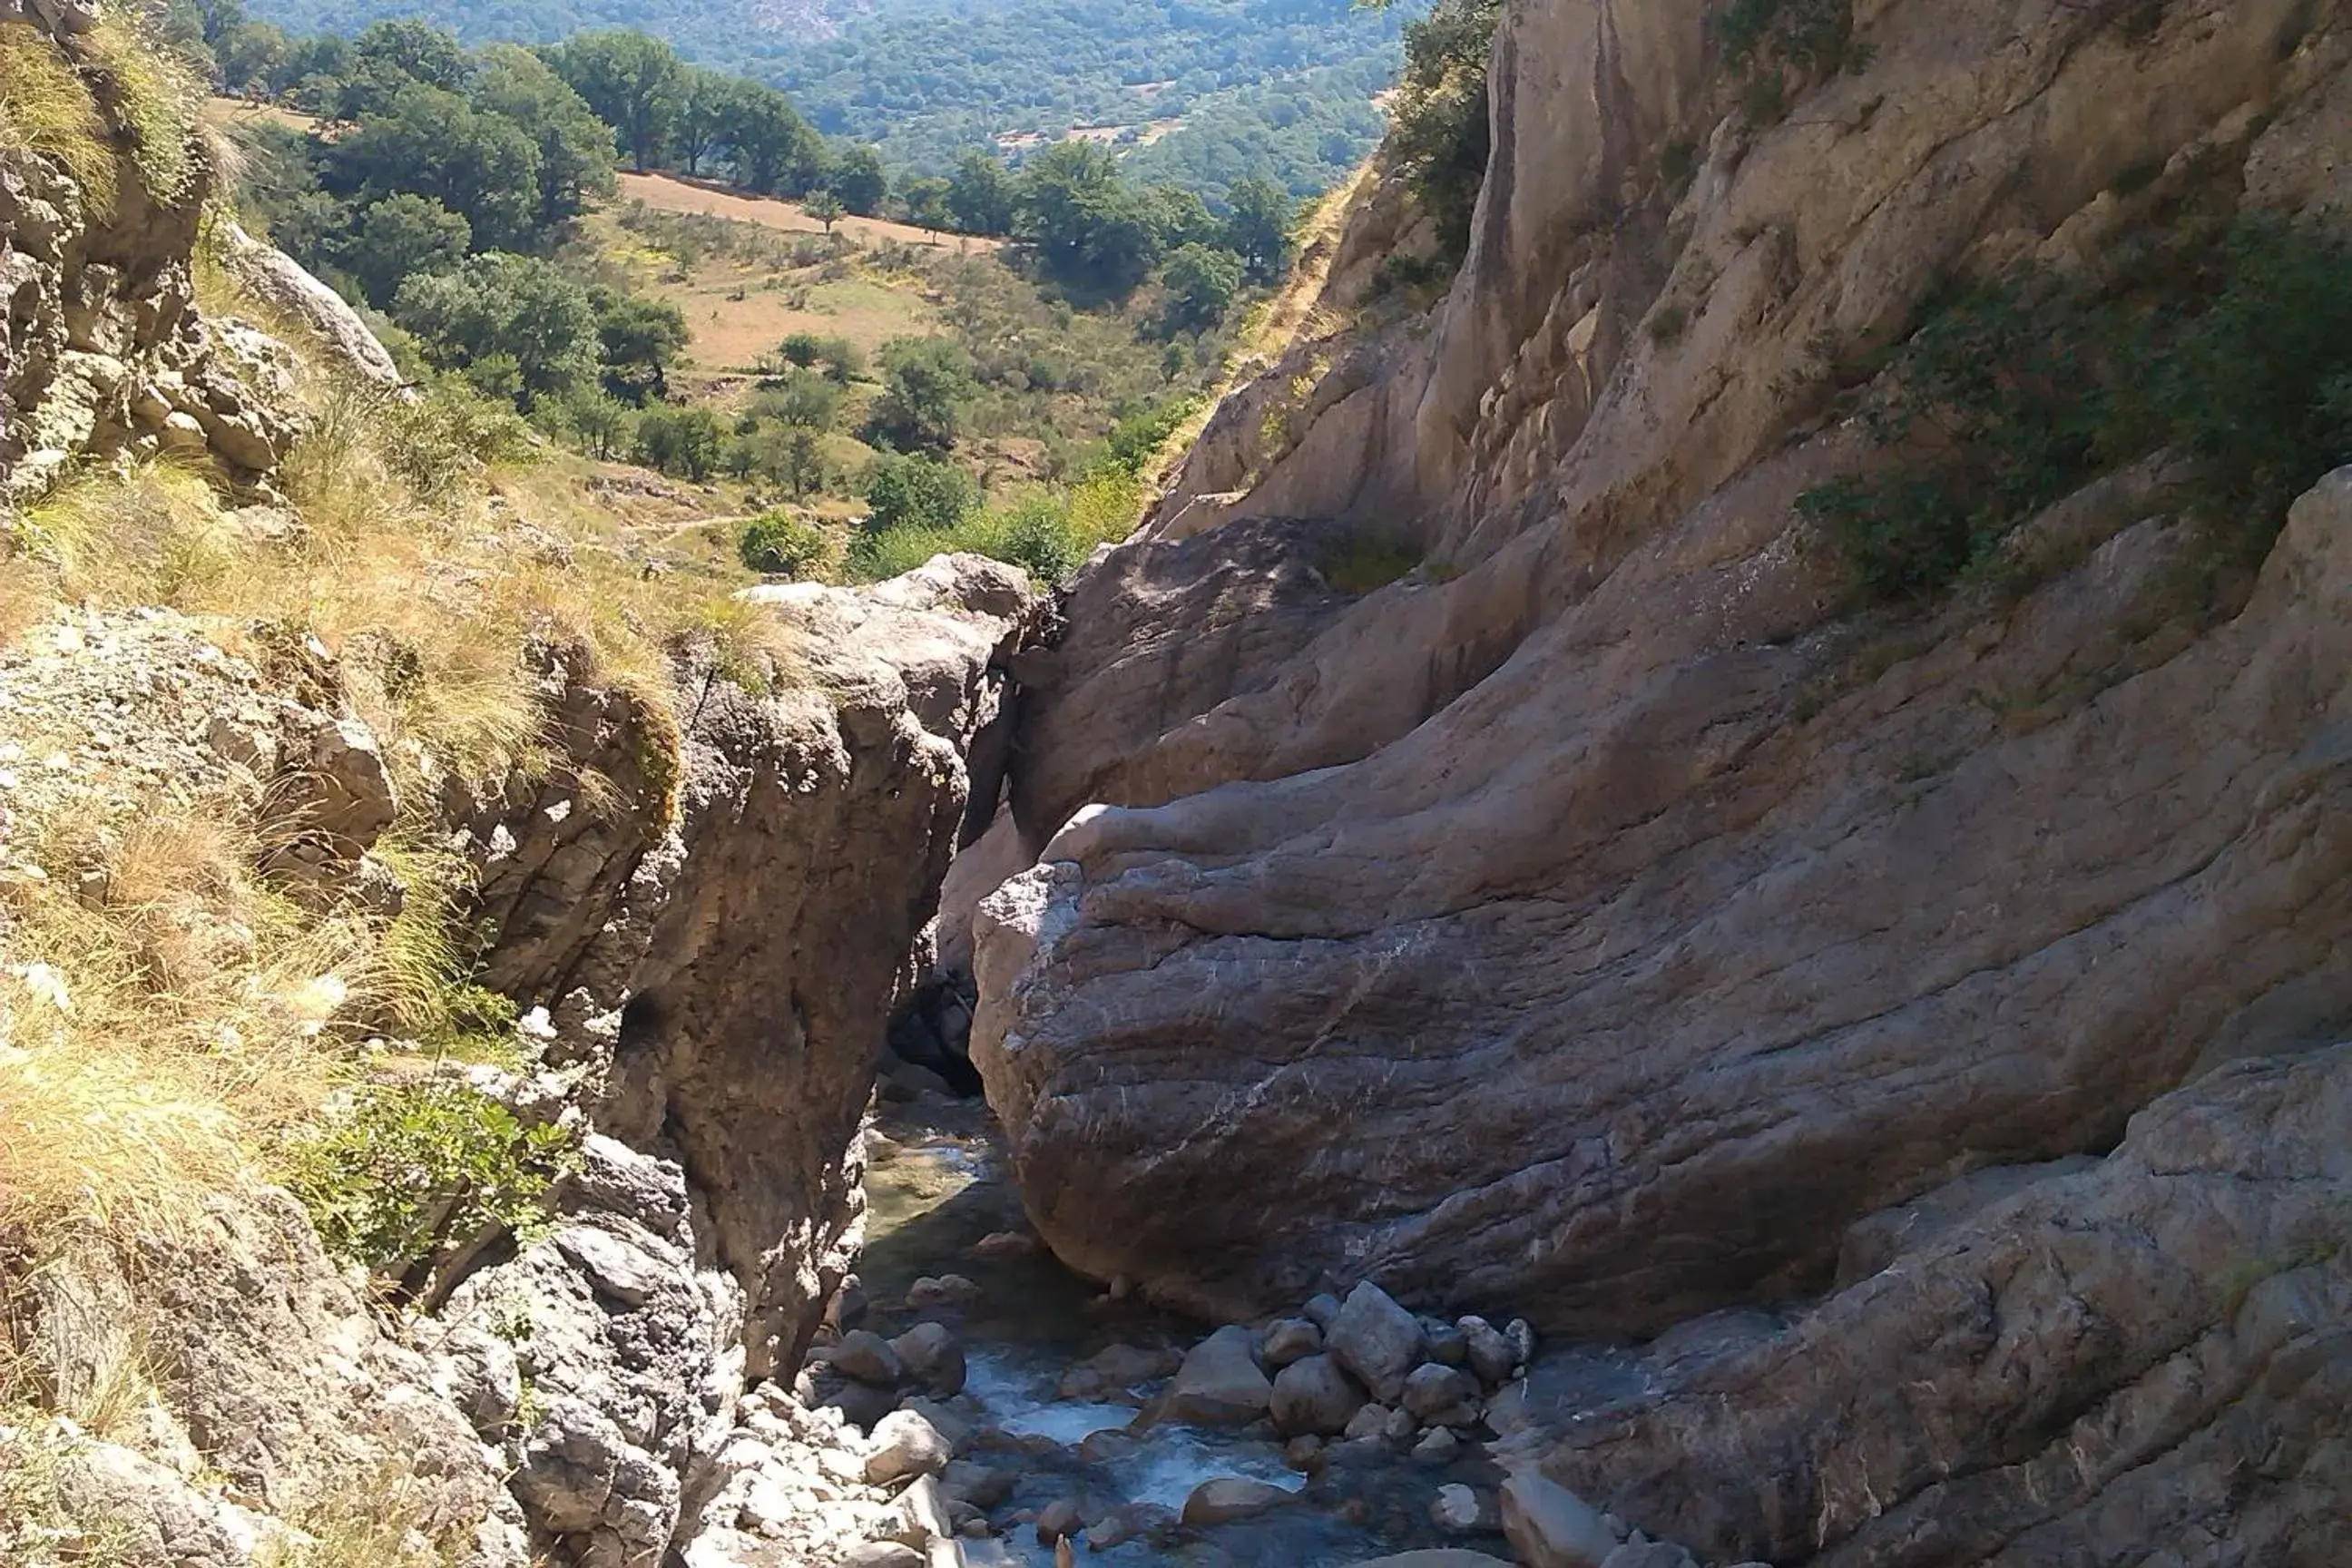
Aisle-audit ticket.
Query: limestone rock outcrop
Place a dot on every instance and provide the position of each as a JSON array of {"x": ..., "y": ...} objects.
[
  {"x": 102, "y": 348},
  {"x": 627, "y": 1333},
  {"x": 1604, "y": 916},
  {"x": 281, "y": 1382},
  {"x": 725, "y": 984},
  {"x": 1599, "y": 925},
  {"x": 2144, "y": 1360}
]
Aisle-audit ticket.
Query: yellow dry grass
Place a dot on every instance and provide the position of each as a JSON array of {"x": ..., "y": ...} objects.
[
  {"x": 46, "y": 110},
  {"x": 170, "y": 1017},
  {"x": 671, "y": 193}
]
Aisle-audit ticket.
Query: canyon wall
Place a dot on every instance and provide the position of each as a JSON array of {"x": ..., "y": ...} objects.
[{"x": 1606, "y": 917}]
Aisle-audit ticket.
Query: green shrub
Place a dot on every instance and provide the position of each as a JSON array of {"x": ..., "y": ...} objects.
[
  {"x": 1810, "y": 35},
  {"x": 683, "y": 441},
  {"x": 1439, "y": 137},
  {"x": 1368, "y": 561},
  {"x": 1137, "y": 440},
  {"x": 413, "y": 1165},
  {"x": 917, "y": 492},
  {"x": 156, "y": 98},
  {"x": 782, "y": 545},
  {"x": 2257, "y": 389},
  {"x": 2234, "y": 354}
]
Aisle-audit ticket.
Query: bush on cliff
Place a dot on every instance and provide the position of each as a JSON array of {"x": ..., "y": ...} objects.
[{"x": 2232, "y": 352}]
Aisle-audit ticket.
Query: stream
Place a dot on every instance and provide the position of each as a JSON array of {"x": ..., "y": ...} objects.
[{"x": 936, "y": 1184}]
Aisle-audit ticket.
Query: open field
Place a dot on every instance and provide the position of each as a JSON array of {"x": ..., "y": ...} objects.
[
  {"x": 228, "y": 111},
  {"x": 670, "y": 194}
]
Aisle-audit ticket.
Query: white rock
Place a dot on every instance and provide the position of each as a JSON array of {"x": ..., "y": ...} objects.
[{"x": 905, "y": 1443}]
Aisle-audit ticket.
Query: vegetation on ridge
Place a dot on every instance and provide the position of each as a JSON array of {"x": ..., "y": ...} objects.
[{"x": 2231, "y": 349}]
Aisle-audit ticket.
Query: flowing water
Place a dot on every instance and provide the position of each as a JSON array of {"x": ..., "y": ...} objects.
[{"x": 938, "y": 1187}]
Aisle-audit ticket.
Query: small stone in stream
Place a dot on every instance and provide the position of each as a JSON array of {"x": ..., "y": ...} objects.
[
  {"x": 929, "y": 1353},
  {"x": 905, "y": 1445},
  {"x": 1220, "y": 1383},
  {"x": 1115, "y": 1368},
  {"x": 1550, "y": 1527},
  {"x": 1375, "y": 1339},
  {"x": 868, "y": 1357},
  {"x": 1432, "y": 1391},
  {"x": 1057, "y": 1519},
  {"x": 976, "y": 1528},
  {"x": 1129, "y": 1521},
  {"x": 947, "y": 1291},
  {"x": 1005, "y": 1244},
  {"x": 1649, "y": 1554},
  {"x": 1400, "y": 1427},
  {"x": 1522, "y": 1335},
  {"x": 883, "y": 1554},
  {"x": 1109, "y": 1447},
  {"x": 1322, "y": 1311},
  {"x": 1465, "y": 1510},
  {"x": 1438, "y": 1447},
  {"x": 1288, "y": 1340},
  {"x": 1372, "y": 1421},
  {"x": 1229, "y": 1498},
  {"x": 1314, "y": 1396},
  {"x": 982, "y": 1486},
  {"x": 1303, "y": 1453},
  {"x": 1119, "y": 1289},
  {"x": 1492, "y": 1355},
  {"x": 1447, "y": 1345}
]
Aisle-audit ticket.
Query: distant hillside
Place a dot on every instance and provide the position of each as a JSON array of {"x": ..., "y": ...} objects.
[{"x": 1218, "y": 89}]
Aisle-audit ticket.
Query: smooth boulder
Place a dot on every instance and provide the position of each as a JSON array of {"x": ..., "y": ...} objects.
[
  {"x": 1377, "y": 1340},
  {"x": 1550, "y": 1527},
  {"x": 1220, "y": 1383},
  {"x": 1229, "y": 1498},
  {"x": 1314, "y": 1396},
  {"x": 905, "y": 1443},
  {"x": 1441, "y": 1395},
  {"x": 868, "y": 1357},
  {"x": 929, "y": 1354}
]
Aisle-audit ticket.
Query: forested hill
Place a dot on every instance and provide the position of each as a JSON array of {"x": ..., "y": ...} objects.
[{"x": 1200, "y": 92}]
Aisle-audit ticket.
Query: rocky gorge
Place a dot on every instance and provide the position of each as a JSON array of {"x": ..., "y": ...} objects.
[{"x": 1593, "y": 1045}]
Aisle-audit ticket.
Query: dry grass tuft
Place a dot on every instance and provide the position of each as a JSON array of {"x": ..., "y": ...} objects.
[{"x": 47, "y": 111}]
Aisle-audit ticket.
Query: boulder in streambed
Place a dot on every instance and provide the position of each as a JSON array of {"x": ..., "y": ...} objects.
[
  {"x": 1288, "y": 1340},
  {"x": 868, "y": 1357},
  {"x": 1550, "y": 1527},
  {"x": 905, "y": 1443},
  {"x": 1229, "y": 1498},
  {"x": 1441, "y": 1395},
  {"x": 1220, "y": 1383},
  {"x": 929, "y": 1353},
  {"x": 1492, "y": 1354},
  {"x": 1377, "y": 1340},
  {"x": 1466, "y": 1511},
  {"x": 1650, "y": 1554},
  {"x": 883, "y": 1554},
  {"x": 1314, "y": 1396}
]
